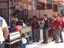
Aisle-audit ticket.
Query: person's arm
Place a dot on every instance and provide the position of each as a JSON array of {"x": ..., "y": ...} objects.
[
  {"x": 6, "y": 32},
  {"x": 5, "y": 29}
]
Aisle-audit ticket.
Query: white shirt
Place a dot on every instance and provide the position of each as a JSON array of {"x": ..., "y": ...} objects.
[
  {"x": 16, "y": 19},
  {"x": 24, "y": 41},
  {"x": 45, "y": 18},
  {"x": 4, "y": 24},
  {"x": 24, "y": 25}
]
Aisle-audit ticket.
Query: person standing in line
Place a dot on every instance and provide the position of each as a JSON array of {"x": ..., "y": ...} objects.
[
  {"x": 59, "y": 19},
  {"x": 57, "y": 26},
  {"x": 52, "y": 24},
  {"x": 38, "y": 29},
  {"x": 45, "y": 29},
  {"x": 3, "y": 32},
  {"x": 34, "y": 29}
]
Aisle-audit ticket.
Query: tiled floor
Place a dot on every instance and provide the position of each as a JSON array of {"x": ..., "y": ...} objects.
[{"x": 49, "y": 45}]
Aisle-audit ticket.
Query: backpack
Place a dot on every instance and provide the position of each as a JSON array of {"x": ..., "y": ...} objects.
[{"x": 37, "y": 25}]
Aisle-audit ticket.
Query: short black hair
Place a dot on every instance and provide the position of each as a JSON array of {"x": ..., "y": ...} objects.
[
  {"x": 45, "y": 14},
  {"x": 34, "y": 17},
  {"x": 19, "y": 23},
  {"x": 41, "y": 19}
]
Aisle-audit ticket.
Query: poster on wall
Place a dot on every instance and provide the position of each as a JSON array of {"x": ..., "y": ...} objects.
[
  {"x": 14, "y": 2},
  {"x": 23, "y": 4},
  {"x": 28, "y": 4},
  {"x": 31, "y": 5}
]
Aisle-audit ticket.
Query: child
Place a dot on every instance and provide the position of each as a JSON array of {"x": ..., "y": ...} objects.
[{"x": 24, "y": 41}]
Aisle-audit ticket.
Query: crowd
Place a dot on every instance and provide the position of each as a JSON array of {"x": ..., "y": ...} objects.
[{"x": 56, "y": 24}]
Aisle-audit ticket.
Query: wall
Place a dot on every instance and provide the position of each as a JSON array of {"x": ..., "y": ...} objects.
[
  {"x": 4, "y": 9},
  {"x": 40, "y": 13},
  {"x": 3, "y": 5}
]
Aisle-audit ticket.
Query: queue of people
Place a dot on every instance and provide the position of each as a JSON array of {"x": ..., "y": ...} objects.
[{"x": 55, "y": 24}]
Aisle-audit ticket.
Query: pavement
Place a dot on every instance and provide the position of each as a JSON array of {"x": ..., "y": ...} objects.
[{"x": 51, "y": 44}]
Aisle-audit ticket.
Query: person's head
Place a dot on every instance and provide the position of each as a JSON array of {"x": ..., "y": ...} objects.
[
  {"x": 23, "y": 35},
  {"x": 49, "y": 18},
  {"x": 54, "y": 17},
  {"x": 13, "y": 22},
  {"x": 22, "y": 20},
  {"x": 1, "y": 15},
  {"x": 37, "y": 19},
  {"x": 41, "y": 19},
  {"x": 45, "y": 16},
  {"x": 26, "y": 17},
  {"x": 19, "y": 23},
  {"x": 14, "y": 15},
  {"x": 34, "y": 17}
]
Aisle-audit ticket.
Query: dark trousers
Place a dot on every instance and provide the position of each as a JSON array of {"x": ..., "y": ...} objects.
[
  {"x": 2, "y": 45},
  {"x": 53, "y": 33},
  {"x": 35, "y": 35},
  {"x": 57, "y": 34},
  {"x": 61, "y": 37},
  {"x": 38, "y": 34},
  {"x": 63, "y": 25},
  {"x": 45, "y": 35}
]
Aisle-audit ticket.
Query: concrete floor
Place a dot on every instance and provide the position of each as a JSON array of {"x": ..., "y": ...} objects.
[{"x": 49, "y": 45}]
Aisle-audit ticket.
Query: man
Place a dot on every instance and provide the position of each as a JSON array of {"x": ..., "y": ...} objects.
[
  {"x": 57, "y": 27},
  {"x": 35, "y": 27},
  {"x": 45, "y": 29},
  {"x": 3, "y": 32},
  {"x": 52, "y": 24},
  {"x": 60, "y": 21}
]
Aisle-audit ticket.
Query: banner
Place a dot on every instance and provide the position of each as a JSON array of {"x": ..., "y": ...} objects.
[
  {"x": 23, "y": 4},
  {"x": 31, "y": 5}
]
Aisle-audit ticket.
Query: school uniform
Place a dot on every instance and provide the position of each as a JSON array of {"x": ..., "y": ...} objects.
[{"x": 45, "y": 30}]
